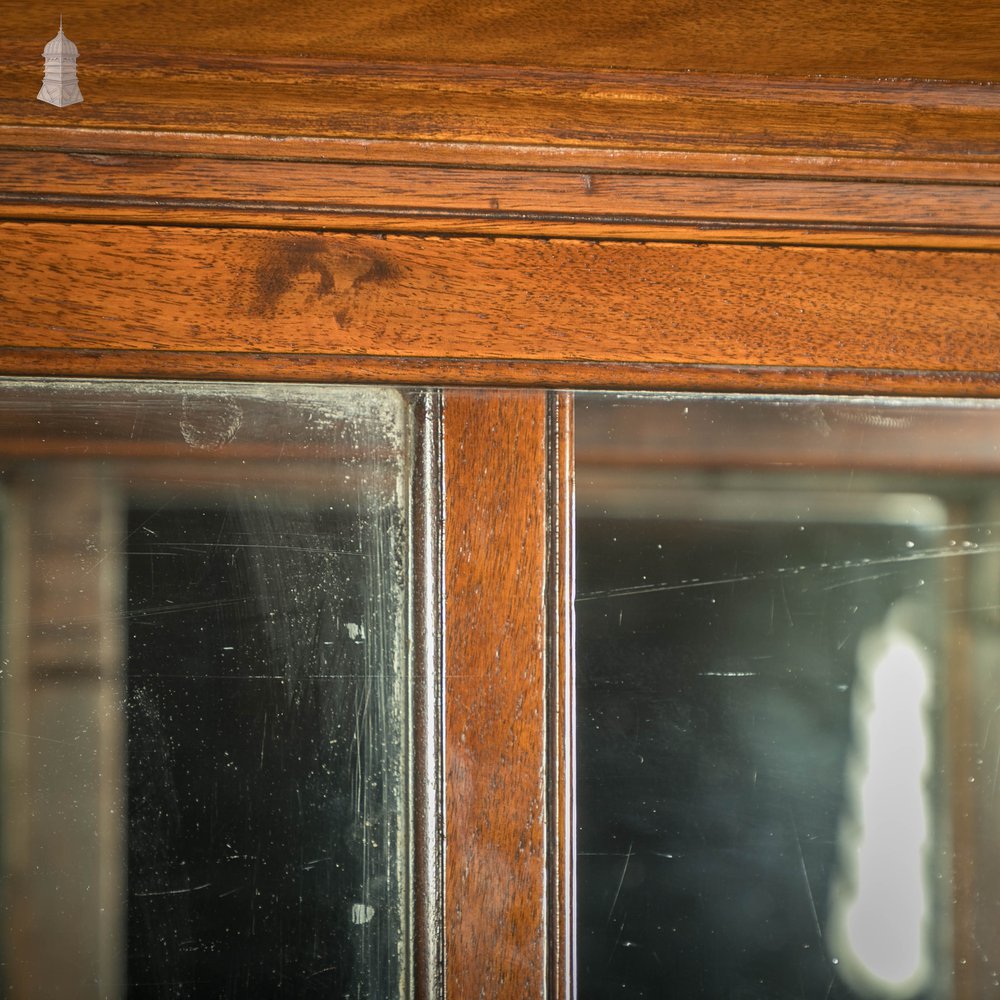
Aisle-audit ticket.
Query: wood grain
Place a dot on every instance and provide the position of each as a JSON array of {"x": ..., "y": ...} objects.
[
  {"x": 257, "y": 105},
  {"x": 139, "y": 251},
  {"x": 227, "y": 117},
  {"x": 495, "y": 719},
  {"x": 969, "y": 166},
  {"x": 474, "y": 300},
  {"x": 922, "y": 39},
  {"x": 186, "y": 190}
]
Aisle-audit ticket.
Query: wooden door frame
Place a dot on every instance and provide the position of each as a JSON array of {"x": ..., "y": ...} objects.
[{"x": 507, "y": 235}]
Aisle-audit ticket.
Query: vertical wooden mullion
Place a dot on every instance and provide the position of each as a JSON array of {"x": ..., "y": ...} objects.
[{"x": 495, "y": 622}]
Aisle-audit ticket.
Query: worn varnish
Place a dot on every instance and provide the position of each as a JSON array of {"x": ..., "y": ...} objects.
[
  {"x": 495, "y": 721},
  {"x": 112, "y": 288},
  {"x": 210, "y": 211}
]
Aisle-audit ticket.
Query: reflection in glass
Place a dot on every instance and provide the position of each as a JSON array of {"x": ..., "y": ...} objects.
[
  {"x": 202, "y": 766},
  {"x": 787, "y": 638}
]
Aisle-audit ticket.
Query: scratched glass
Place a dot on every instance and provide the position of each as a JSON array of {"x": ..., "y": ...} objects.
[
  {"x": 788, "y": 642},
  {"x": 204, "y": 690}
]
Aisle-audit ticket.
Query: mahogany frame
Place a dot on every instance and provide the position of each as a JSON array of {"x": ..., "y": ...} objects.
[{"x": 508, "y": 235}]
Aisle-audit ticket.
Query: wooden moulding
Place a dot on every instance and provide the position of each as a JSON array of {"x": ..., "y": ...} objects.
[
  {"x": 368, "y": 370},
  {"x": 306, "y": 306},
  {"x": 504, "y": 150},
  {"x": 487, "y": 109},
  {"x": 426, "y": 939},
  {"x": 561, "y": 693},
  {"x": 495, "y": 522},
  {"x": 513, "y": 201}
]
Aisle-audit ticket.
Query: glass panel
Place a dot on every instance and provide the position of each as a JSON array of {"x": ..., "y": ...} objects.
[
  {"x": 787, "y": 737},
  {"x": 203, "y": 755}
]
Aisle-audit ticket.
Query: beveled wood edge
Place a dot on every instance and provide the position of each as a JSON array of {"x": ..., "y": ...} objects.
[
  {"x": 669, "y": 231},
  {"x": 502, "y": 106},
  {"x": 513, "y": 373},
  {"x": 609, "y": 157},
  {"x": 561, "y": 691},
  {"x": 510, "y": 118},
  {"x": 591, "y": 229}
]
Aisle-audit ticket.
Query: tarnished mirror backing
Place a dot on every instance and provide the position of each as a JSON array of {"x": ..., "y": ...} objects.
[
  {"x": 204, "y": 697},
  {"x": 787, "y": 686}
]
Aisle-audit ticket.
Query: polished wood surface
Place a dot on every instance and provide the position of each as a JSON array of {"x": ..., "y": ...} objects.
[
  {"x": 516, "y": 202},
  {"x": 922, "y": 39},
  {"x": 486, "y": 110},
  {"x": 791, "y": 89},
  {"x": 536, "y": 194},
  {"x": 648, "y": 121},
  {"x": 495, "y": 721},
  {"x": 433, "y": 114},
  {"x": 110, "y": 288}
]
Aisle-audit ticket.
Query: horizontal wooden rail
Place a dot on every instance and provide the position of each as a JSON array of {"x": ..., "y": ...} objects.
[{"x": 440, "y": 305}]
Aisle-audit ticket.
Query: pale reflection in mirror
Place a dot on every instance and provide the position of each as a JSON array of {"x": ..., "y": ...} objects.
[
  {"x": 204, "y": 691},
  {"x": 788, "y": 642}
]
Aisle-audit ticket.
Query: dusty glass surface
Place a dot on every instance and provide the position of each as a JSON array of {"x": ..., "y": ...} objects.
[
  {"x": 203, "y": 754},
  {"x": 788, "y": 644}
]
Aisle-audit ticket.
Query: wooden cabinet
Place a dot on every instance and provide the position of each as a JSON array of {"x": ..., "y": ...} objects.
[{"x": 506, "y": 205}]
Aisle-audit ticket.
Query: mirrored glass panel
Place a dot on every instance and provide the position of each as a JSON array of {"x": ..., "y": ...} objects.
[
  {"x": 788, "y": 739},
  {"x": 203, "y": 753}
]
